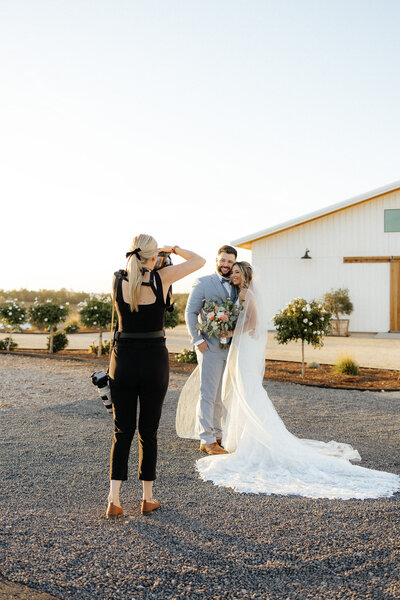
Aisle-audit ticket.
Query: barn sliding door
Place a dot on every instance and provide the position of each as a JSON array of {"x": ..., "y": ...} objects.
[{"x": 395, "y": 295}]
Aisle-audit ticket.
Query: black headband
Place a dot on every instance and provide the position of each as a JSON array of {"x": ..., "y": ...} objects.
[{"x": 132, "y": 252}]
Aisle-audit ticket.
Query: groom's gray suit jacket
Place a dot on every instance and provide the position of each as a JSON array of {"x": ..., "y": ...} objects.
[{"x": 205, "y": 288}]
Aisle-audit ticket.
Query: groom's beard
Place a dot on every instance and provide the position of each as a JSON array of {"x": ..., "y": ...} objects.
[{"x": 227, "y": 274}]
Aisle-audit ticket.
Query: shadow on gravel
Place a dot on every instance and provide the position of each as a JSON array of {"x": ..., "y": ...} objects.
[{"x": 205, "y": 542}]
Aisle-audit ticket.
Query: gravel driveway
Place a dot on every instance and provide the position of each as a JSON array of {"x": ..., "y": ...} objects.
[{"x": 205, "y": 542}]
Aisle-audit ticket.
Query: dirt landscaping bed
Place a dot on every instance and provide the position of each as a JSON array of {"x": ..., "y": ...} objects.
[{"x": 276, "y": 370}]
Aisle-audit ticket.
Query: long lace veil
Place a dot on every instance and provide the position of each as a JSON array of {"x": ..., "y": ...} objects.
[{"x": 245, "y": 368}]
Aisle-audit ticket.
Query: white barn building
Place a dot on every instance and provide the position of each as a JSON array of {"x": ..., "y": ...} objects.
[{"x": 354, "y": 244}]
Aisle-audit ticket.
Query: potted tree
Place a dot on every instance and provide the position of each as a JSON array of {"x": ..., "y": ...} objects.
[{"x": 338, "y": 303}]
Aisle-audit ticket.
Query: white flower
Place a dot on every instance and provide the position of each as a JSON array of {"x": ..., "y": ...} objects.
[
  {"x": 308, "y": 307},
  {"x": 305, "y": 320},
  {"x": 304, "y": 309},
  {"x": 310, "y": 323},
  {"x": 46, "y": 319},
  {"x": 67, "y": 303},
  {"x": 95, "y": 307},
  {"x": 315, "y": 332},
  {"x": 94, "y": 322},
  {"x": 61, "y": 307}
]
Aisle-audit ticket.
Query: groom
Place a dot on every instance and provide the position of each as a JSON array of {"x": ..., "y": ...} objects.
[{"x": 211, "y": 358}]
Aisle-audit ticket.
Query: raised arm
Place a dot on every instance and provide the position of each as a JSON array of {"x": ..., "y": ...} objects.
[{"x": 173, "y": 273}]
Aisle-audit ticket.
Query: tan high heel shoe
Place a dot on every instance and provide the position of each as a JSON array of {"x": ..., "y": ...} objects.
[
  {"x": 113, "y": 510},
  {"x": 149, "y": 505}
]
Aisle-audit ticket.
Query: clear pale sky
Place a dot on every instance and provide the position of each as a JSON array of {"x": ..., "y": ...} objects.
[{"x": 197, "y": 122}]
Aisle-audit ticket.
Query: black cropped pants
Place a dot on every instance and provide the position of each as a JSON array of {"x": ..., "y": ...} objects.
[{"x": 139, "y": 370}]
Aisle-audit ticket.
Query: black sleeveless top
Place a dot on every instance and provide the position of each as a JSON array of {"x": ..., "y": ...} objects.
[{"x": 150, "y": 317}]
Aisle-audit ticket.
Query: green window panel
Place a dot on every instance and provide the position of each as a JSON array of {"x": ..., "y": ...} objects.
[{"x": 392, "y": 219}]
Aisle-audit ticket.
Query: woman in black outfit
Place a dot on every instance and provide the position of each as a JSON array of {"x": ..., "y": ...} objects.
[{"x": 139, "y": 367}]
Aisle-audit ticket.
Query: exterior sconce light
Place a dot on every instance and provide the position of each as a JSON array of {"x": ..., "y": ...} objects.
[{"x": 306, "y": 254}]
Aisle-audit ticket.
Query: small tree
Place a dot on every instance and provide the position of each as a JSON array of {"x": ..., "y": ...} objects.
[
  {"x": 338, "y": 302},
  {"x": 302, "y": 320},
  {"x": 13, "y": 316},
  {"x": 48, "y": 315},
  {"x": 96, "y": 312}
]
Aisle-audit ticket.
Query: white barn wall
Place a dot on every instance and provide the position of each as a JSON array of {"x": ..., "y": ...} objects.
[{"x": 355, "y": 231}]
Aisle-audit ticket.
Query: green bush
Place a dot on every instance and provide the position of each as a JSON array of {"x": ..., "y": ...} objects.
[
  {"x": 105, "y": 348},
  {"x": 4, "y": 344},
  {"x": 172, "y": 318},
  {"x": 60, "y": 341},
  {"x": 346, "y": 365},
  {"x": 187, "y": 356},
  {"x": 72, "y": 327}
]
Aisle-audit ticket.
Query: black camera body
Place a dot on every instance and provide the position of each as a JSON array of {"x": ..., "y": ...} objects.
[
  {"x": 163, "y": 260},
  {"x": 100, "y": 380}
]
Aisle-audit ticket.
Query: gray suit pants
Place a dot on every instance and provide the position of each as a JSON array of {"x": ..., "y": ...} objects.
[{"x": 209, "y": 408}]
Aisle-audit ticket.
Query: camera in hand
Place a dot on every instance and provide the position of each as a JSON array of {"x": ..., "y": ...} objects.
[
  {"x": 163, "y": 260},
  {"x": 100, "y": 380}
]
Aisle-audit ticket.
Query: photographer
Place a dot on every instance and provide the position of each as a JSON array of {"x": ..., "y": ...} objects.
[{"x": 139, "y": 365}]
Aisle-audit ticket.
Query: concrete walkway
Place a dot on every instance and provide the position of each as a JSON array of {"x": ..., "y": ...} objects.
[{"x": 370, "y": 350}]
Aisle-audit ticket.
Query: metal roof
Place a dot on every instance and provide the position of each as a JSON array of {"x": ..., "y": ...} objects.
[{"x": 246, "y": 241}]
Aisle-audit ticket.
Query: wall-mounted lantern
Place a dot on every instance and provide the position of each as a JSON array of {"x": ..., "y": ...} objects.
[{"x": 306, "y": 254}]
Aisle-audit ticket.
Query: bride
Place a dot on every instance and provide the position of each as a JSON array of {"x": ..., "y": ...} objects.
[{"x": 264, "y": 457}]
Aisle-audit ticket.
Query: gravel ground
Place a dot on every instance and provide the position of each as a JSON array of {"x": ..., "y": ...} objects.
[{"x": 205, "y": 542}]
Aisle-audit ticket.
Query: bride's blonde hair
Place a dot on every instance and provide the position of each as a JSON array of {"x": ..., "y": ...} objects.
[
  {"x": 246, "y": 271},
  {"x": 146, "y": 247}
]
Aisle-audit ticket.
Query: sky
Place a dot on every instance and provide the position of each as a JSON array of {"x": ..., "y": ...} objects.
[{"x": 196, "y": 122}]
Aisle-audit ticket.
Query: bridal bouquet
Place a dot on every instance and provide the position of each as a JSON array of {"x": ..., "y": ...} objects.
[{"x": 219, "y": 317}]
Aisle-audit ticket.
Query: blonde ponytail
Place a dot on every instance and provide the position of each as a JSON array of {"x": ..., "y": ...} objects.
[{"x": 148, "y": 248}]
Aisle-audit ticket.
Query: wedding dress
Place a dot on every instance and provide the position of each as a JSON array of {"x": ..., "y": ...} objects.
[{"x": 264, "y": 457}]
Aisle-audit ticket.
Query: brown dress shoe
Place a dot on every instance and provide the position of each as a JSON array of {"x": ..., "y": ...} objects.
[
  {"x": 113, "y": 510},
  {"x": 212, "y": 449},
  {"x": 149, "y": 505}
]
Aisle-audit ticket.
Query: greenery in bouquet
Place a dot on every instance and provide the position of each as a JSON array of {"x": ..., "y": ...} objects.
[
  {"x": 219, "y": 316},
  {"x": 302, "y": 320},
  {"x": 47, "y": 315},
  {"x": 12, "y": 315}
]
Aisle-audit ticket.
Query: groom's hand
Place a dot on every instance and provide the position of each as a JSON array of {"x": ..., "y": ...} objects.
[{"x": 202, "y": 347}]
